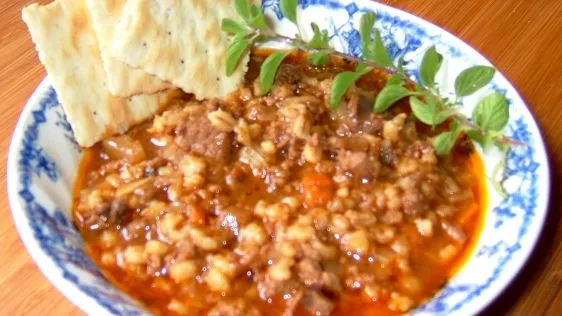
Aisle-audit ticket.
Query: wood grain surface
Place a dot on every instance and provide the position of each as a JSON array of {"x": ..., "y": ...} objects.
[{"x": 522, "y": 38}]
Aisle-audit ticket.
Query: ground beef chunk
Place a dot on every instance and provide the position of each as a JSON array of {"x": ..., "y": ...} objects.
[
  {"x": 360, "y": 164},
  {"x": 287, "y": 73},
  {"x": 414, "y": 202},
  {"x": 96, "y": 218},
  {"x": 373, "y": 124},
  {"x": 277, "y": 133},
  {"x": 268, "y": 287},
  {"x": 200, "y": 136},
  {"x": 118, "y": 212},
  {"x": 258, "y": 110},
  {"x": 312, "y": 275},
  {"x": 105, "y": 214}
]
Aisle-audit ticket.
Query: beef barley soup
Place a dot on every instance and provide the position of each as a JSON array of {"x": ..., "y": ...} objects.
[{"x": 279, "y": 205}]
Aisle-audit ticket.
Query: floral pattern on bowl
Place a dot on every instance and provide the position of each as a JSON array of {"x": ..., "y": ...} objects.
[{"x": 44, "y": 157}]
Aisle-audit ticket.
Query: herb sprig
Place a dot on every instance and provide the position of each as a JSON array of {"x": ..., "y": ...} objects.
[{"x": 489, "y": 118}]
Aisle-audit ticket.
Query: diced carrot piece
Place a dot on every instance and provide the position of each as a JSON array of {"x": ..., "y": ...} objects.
[
  {"x": 317, "y": 188},
  {"x": 197, "y": 215}
]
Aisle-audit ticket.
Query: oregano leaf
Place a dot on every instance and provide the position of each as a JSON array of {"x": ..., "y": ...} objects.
[
  {"x": 366, "y": 25},
  {"x": 233, "y": 27},
  {"x": 389, "y": 95},
  {"x": 289, "y": 9},
  {"x": 444, "y": 142},
  {"x": 269, "y": 69},
  {"x": 394, "y": 79},
  {"x": 234, "y": 52},
  {"x": 430, "y": 65},
  {"x": 257, "y": 19},
  {"x": 243, "y": 9},
  {"x": 422, "y": 111},
  {"x": 473, "y": 79},
  {"x": 343, "y": 81},
  {"x": 319, "y": 58},
  {"x": 475, "y": 135},
  {"x": 381, "y": 55},
  {"x": 319, "y": 38},
  {"x": 491, "y": 112},
  {"x": 362, "y": 68}
]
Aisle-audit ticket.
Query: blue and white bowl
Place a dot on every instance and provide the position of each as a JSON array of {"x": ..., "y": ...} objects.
[{"x": 44, "y": 157}]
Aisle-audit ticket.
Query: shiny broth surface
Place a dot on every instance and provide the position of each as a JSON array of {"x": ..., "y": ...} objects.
[{"x": 278, "y": 205}]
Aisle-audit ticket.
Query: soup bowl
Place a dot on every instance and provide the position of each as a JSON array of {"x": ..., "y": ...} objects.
[{"x": 44, "y": 159}]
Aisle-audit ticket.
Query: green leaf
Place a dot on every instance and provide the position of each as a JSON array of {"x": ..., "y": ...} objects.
[
  {"x": 289, "y": 9},
  {"x": 422, "y": 111},
  {"x": 269, "y": 69},
  {"x": 429, "y": 113},
  {"x": 233, "y": 27},
  {"x": 486, "y": 141},
  {"x": 430, "y": 65},
  {"x": 234, "y": 52},
  {"x": 366, "y": 25},
  {"x": 394, "y": 79},
  {"x": 441, "y": 117},
  {"x": 319, "y": 58},
  {"x": 325, "y": 39},
  {"x": 381, "y": 55},
  {"x": 473, "y": 79},
  {"x": 243, "y": 9},
  {"x": 362, "y": 68},
  {"x": 257, "y": 18},
  {"x": 444, "y": 142},
  {"x": 476, "y": 136},
  {"x": 319, "y": 38},
  {"x": 492, "y": 112},
  {"x": 497, "y": 180},
  {"x": 343, "y": 81},
  {"x": 389, "y": 95}
]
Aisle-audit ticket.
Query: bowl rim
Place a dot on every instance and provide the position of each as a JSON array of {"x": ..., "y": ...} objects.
[
  {"x": 543, "y": 207},
  {"x": 89, "y": 305},
  {"x": 45, "y": 264}
]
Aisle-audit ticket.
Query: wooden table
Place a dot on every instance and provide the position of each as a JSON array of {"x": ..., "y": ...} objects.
[{"x": 523, "y": 38}]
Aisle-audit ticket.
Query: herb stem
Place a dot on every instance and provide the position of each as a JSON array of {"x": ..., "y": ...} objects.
[
  {"x": 463, "y": 121},
  {"x": 264, "y": 36},
  {"x": 267, "y": 36}
]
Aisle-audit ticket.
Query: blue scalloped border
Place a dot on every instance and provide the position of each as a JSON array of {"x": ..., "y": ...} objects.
[
  {"x": 56, "y": 235},
  {"x": 61, "y": 242}
]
